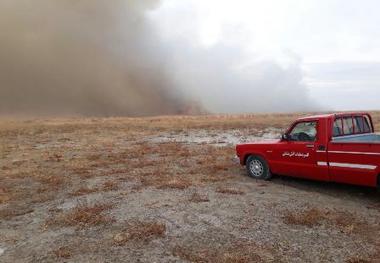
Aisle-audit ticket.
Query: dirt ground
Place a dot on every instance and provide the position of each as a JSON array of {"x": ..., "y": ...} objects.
[{"x": 166, "y": 189}]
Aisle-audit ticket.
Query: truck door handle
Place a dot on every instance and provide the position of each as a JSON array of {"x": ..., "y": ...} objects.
[
  {"x": 321, "y": 148},
  {"x": 310, "y": 145}
]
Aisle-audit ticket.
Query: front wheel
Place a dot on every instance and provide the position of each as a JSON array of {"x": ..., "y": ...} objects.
[{"x": 258, "y": 168}]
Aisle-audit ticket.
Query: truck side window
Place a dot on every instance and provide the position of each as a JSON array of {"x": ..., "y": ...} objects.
[
  {"x": 304, "y": 132},
  {"x": 362, "y": 124},
  {"x": 367, "y": 127},
  {"x": 348, "y": 126},
  {"x": 337, "y": 128},
  {"x": 359, "y": 124}
]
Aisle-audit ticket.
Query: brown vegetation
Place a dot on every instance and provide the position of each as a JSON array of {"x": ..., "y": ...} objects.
[
  {"x": 63, "y": 252},
  {"x": 110, "y": 186},
  {"x": 310, "y": 217},
  {"x": 140, "y": 231},
  {"x": 175, "y": 184},
  {"x": 4, "y": 195},
  {"x": 230, "y": 191},
  {"x": 237, "y": 252},
  {"x": 198, "y": 198},
  {"x": 83, "y": 216},
  {"x": 84, "y": 191}
]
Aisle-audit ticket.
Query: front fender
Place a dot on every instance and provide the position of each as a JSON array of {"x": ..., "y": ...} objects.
[{"x": 244, "y": 157}]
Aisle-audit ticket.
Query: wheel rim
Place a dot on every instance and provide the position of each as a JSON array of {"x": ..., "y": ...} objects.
[{"x": 256, "y": 168}]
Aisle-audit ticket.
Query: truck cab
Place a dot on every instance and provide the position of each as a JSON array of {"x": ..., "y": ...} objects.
[{"x": 332, "y": 147}]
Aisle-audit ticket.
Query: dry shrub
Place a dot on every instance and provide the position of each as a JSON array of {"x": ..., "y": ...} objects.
[
  {"x": 83, "y": 216},
  {"x": 4, "y": 195},
  {"x": 236, "y": 253},
  {"x": 310, "y": 217},
  {"x": 344, "y": 221},
  {"x": 137, "y": 151},
  {"x": 140, "y": 232},
  {"x": 94, "y": 157},
  {"x": 197, "y": 198},
  {"x": 56, "y": 157},
  {"x": 84, "y": 191},
  {"x": 110, "y": 186},
  {"x": 83, "y": 172},
  {"x": 51, "y": 183},
  {"x": 173, "y": 148},
  {"x": 184, "y": 153},
  {"x": 231, "y": 191},
  {"x": 44, "y": 196},
  {"x": 347, "y": 222},
  {"x": 177, "y": 183},
  {"x": 219, "y": 167},
  {"x": 63, "y": 252},
  {"x": 11, "y": 212},
  {"x": 359, "y": 260},
  {"x": 213, "y": 178}
]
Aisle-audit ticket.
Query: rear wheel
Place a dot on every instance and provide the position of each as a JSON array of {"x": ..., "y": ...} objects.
[{"x": 258, "y": 168}]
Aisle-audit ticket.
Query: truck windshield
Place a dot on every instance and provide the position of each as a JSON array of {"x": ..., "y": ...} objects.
[{"x": 304, "y": 132}]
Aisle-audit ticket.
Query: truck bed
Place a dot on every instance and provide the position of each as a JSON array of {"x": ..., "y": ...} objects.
[{"x": 360, "y": 138}]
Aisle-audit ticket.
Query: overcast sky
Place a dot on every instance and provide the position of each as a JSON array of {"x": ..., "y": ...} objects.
[{"x": 336, "y": 42}]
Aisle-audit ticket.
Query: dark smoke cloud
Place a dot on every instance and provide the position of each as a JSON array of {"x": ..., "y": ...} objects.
[{"x": 91, "y": 57}]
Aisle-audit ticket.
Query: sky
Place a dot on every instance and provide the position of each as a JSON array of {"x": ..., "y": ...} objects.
[{"x": 335, "y": 43}]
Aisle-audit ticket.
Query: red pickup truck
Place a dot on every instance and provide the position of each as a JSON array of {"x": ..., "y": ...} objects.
[{"x": 334, "y": 147}]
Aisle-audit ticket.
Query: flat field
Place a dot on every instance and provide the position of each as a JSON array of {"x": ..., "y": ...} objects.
[{"x": 166, "y": 189}]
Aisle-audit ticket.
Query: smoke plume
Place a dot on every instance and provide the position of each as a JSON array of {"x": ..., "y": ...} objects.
[
  {"x": 105, "y": 58},
  {"x": 91, "y": 57}
]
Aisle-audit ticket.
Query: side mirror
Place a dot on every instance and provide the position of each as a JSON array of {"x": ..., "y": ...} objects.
[{"x": 285, "y": 137}]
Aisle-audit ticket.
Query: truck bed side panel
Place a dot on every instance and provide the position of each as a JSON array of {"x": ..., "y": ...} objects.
[{"x": 354, "y": 163}]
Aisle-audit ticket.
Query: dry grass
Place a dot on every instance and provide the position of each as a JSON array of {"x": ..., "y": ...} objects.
[
  {"x": 198, "y": 198},
  {"x": 360, "y": 260},
  {"x": 176, "y": 183},
  {"x": 230, "y": 191},
  {"x": 84, "y": 191},
  {"x": 14, "y": 211},
  {"x": 51, "y": 183},
  {"x": 4, "y": 195},
  {"x": 346, "y": 222},
  {"x": 46, "y": 161},
  {"x": 63, "y": 252},
  {"x": 234, "y": 253},
  {"x": 83, "y": 216},
  {"x": 140, "y": 232},
  {"x": 309, "y": 217},
  {"x": 110, "y": 186}
]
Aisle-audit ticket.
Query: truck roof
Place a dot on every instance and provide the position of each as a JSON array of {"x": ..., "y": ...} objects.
[{"x": 333, "y": 115}]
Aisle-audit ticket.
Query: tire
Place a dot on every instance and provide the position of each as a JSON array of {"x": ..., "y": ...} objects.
[{"x": 258, "y": 168}]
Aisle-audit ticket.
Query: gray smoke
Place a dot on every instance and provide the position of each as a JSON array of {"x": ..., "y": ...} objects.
[
  {"x": 224, "y": 80},
  {"x": 91, "y": 57},
  {"x": 99, "y": 57}
]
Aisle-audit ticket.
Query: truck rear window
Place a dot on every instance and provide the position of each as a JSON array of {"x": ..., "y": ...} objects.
[
  {"x": 348, "y": 126},
  {"x": 351, "y": 125}
]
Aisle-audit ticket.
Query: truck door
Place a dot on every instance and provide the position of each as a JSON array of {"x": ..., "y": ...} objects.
[{"x": 301, "y": 154}]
